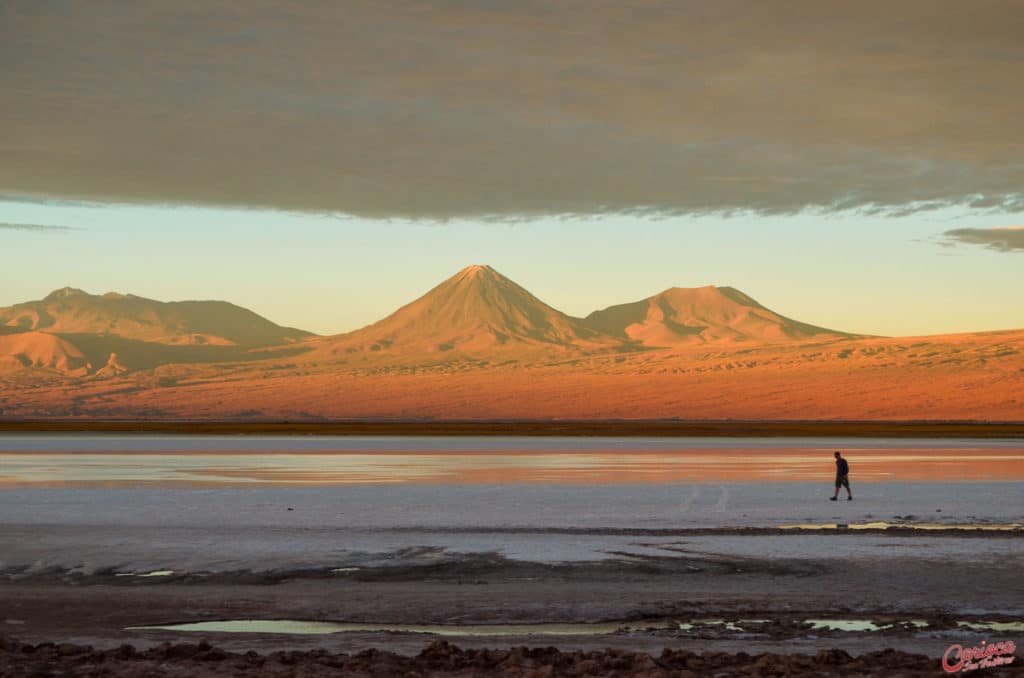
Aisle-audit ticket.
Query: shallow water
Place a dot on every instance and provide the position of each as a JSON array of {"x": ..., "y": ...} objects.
[
  {"x": 993, "y": 626},
  {"x": 220, "y": 461}
]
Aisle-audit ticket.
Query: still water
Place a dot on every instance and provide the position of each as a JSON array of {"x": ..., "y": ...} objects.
[{"x": 95, "y": 460}]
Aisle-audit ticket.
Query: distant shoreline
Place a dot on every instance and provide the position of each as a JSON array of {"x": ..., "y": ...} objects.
[{"x": 634, "y": 428}]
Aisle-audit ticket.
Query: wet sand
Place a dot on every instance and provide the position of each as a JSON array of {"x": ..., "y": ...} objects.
[
  {"x": 75, "y": 565},
  {"x": 667, "y": 602}
]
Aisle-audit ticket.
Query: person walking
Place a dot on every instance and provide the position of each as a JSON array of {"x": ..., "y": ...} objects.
[{"x": 842, "y": 478}]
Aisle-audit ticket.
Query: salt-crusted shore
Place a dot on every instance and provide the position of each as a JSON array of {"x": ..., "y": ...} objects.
[{"x": 73, "y": 564}]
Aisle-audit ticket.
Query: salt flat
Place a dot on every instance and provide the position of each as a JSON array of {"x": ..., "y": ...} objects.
[
  {"x": 288, "y": 527},
  {"x": 97, "y": 539}
]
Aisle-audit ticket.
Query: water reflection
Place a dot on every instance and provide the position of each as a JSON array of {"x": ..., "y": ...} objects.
[{"x": 472, "y": 462}]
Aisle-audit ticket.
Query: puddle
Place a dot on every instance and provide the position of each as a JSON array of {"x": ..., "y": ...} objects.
[
  {"x": 346, "y": 569},
  {"x": 155, "y": 573},
  {"x": 855, "y": 625},
  {"x": 852, "y": 626},
  {"x": 993, "y": 626},
  {"x": 323, "y": 628},
  {"x": 738, "y": 626},
  {"x": 882, "y": 525}
]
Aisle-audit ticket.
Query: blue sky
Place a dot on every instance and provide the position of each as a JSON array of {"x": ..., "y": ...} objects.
[{"x": 332, "y": 273}]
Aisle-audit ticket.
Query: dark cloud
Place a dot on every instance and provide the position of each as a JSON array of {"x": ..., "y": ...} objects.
[
  {"x": 1008, "y": 239},
  {"x": 476, "y": 108},
  {"x": 37, "y": 228}
]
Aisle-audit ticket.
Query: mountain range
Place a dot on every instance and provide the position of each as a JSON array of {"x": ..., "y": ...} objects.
[
  {"x": 478, "y": 345},
  {"x": 477, "y": 311},
  {"x": 76, "y": 333},
  {"x": 73, "y": 311}
]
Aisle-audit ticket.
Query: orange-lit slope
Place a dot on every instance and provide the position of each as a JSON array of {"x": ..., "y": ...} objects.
[
  {"x": 477, "y": 309},
  {"x": 72, "y": 311},
  {"x": 41, "y": 350},
  {"x": 702, "y": 315}
]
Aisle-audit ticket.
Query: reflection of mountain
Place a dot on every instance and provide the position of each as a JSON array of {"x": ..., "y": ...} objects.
[
  {"x": 72, "y": 311},
  {"x": 479, "y": 310},
  {"x": 702, "y": 315}
]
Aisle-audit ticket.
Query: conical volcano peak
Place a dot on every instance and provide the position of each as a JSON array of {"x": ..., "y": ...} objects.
[
  {"x": 64, "y": 293},
  {"x": 475, "y": 289},
  {"x": 478, "y": 273},
  {"x": 475, "y": 309}
]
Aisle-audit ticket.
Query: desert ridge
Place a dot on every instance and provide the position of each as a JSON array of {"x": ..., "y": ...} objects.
[
  {"x": 76, "y": 334},
  {"x": 41, "y": 350},
  {"x": 73, "y": 311},
  {"x": 944, "y": 378}
]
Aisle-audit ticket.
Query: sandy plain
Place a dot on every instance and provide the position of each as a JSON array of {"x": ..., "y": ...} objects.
[{"x": 964, "y": 377}]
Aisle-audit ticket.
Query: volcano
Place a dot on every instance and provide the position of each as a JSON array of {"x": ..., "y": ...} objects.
[
  {"x": 702, "y": 315},
  {"x": 71, "y": 311},
  {"x": 477, "y": 309}
]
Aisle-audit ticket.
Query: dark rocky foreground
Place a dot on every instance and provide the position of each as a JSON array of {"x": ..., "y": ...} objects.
[{"x": 444, "y": 659}]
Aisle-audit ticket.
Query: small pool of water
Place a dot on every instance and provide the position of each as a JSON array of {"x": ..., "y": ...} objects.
[
  {"x": 738, "y": 625},
  {"x": 858, "y": 625},
  {"x": 993, "y": 626}
]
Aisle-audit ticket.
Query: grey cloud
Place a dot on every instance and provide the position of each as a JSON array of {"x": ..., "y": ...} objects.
[
  {"x": 37, "y": 228},
  {"x": 1007, "y": 239},
  {"x": 508, "y": 110}
]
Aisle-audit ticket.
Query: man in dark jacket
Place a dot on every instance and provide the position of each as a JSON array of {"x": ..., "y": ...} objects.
[{"x": 842, "y": 478}]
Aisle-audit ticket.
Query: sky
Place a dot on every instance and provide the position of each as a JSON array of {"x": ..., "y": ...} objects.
[{"x": 852, "y": 165}]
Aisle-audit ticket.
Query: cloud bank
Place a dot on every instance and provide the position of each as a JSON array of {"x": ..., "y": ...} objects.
[
  {"x": 475, "y": 108},
  {"x": 1006, "y": 239}
]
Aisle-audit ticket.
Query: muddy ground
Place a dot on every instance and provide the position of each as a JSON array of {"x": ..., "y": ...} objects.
[
  {"x": 697, "y": 578},
  {"x": 768, "y": 599}
]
